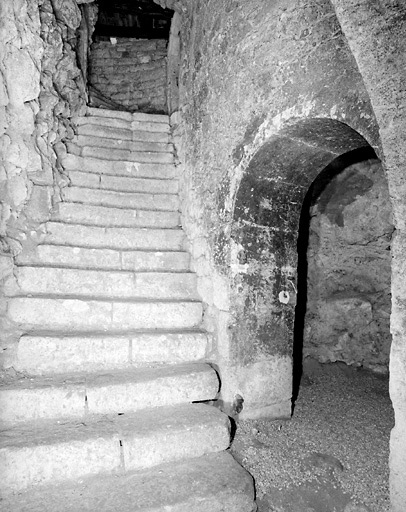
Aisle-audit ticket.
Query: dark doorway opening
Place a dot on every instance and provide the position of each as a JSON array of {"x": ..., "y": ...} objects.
[{"x": 315, "y": 191}]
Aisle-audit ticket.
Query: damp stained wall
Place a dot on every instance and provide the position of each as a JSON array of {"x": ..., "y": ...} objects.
[
  {"x": 348, "y": 305},
  {"x": 248, "y": 70}
]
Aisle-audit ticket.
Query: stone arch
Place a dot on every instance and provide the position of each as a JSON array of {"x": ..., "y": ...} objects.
[{"x": 264, "y": 257}]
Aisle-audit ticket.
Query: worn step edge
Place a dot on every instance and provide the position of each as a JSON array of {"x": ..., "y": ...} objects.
[
  {"x": 40, "y": 355},
  {"x": 109, "y": 132},
  {"x": 136, "y": 125},
  {"x": 107, "y": 216},
  {"x": 114, "y": 199},
  {"x": 117, "y": 391},
  {"x": 56, "y": 314},
  {"x": 78, "y": 235},
  {"x": 112, "y": 285},
  {"x": 105, "y": 259},
  {"x": 214, "y": 482},
  {"x": 43, "y": 452},
  {"x": 139, "y": 116},
  {"x": 93, "y": 140},
  {"x": 122, "y": 183},
  {"x": 122, "y": 154},
  {"x": 119, "y": 168}
]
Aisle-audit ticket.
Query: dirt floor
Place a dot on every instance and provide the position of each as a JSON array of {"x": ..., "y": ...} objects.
[{"x": 332, "y": 456}]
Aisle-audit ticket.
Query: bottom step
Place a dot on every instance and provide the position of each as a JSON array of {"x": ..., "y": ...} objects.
[{"x": 212, "y": 483}]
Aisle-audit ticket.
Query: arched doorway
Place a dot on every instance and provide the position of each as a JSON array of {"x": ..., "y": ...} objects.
[
  {"x": 264, "y": 260},
  {"x": 345, "y": 232},
  {"x": 313, "y": 176}
]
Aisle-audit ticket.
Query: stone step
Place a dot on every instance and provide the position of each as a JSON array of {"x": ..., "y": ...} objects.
[
  {"x": 91, "y": 215},
  {"x": 105, "y": 142},
  {"x": 123, "y": 183},
  {"x": 118, "y": 168},
  {"x": 80, "y": 315},
  {"x": 133, "y": 200},
  {"x": 134, "y": 125},
  {"x": 59, "y": 233},
  {"x": 56, "y": 451},
  {"x": 115, "y": 392},
  {"x": 108, "y": 132},
  {"x": 132, "y": 116},
  {"x": 111, "y": 154},
  {"x": 218, "y": 482},
  {"x": 104, "y": 259},
  {"x": 39, "y": 355},
  {"x": 120, "y": 285}
]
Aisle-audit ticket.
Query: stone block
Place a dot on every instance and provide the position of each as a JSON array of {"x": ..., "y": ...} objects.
[
  {"x": 82, "y": 257},
  {"x": 119, "y": 391},
  {"x": 123, "y": 183},
  {"x": 111, "y": 285},
  {"x": 134, "y": 169},
  {"x": 111, "y": 122},
  {"x": 109, "y": 114},
  {"x": 164, "y": 202},
  {"x": 116, "y": 143},
  {"x": 114, "y": 238},
  {"x": 27, "y": 400},
  {"x": 145, "y": 388},
  {"x": 123, "y": 134},
  {"x": 127, "y": 155},
  {"x": 139, "y": 124},
  {"x": 56, "y": 459},
  {"x": 104, "y": 131},
  {"x": 184, "y": 433},
  {"x": 223, "y": 486},
  {"x": 39, "y": 355},
  {"x": 70, "y": 315},
  {"x": 266, "y": 387},
  {"x": 91, "y": 215}
]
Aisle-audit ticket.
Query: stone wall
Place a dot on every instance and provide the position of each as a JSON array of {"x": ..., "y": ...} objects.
[
  {"x": 348, "y": 285},
  {"x": 41, "y": 89},
  {"x": 249, "y": 70},
  {"x": 131, "y": 73}
]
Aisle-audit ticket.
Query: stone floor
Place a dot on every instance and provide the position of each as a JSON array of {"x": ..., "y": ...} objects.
[{"x": 332, "y": 456}]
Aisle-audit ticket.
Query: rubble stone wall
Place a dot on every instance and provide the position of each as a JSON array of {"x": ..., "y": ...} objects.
[
  {"x": 41, "y": 89},
  {"x": 131, "y": 72},
  {"x": 349, "y": 270}
]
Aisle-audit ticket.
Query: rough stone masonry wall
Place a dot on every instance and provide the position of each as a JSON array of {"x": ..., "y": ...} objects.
[
  {"x": 131, "y": 72},
  {"x": 348, "y": 285},
  {"x": 248, "y": 69},
  {"x": 40, "y": 90}
]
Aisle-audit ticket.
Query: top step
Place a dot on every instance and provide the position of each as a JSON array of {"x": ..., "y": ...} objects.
[{"x": 128, "y": 116}]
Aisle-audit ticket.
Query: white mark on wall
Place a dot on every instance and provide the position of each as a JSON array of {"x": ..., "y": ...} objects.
[{"x": 235, "y": 265}]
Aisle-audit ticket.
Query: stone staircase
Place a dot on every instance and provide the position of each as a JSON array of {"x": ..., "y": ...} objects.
[{"x": 105, "y": 412}]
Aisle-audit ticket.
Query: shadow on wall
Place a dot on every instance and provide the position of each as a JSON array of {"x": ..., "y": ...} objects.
[
  {"x": 271, "y": 230},
  {"x": 344, "y": 265},
  {"x": 343, "y": 303}
]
